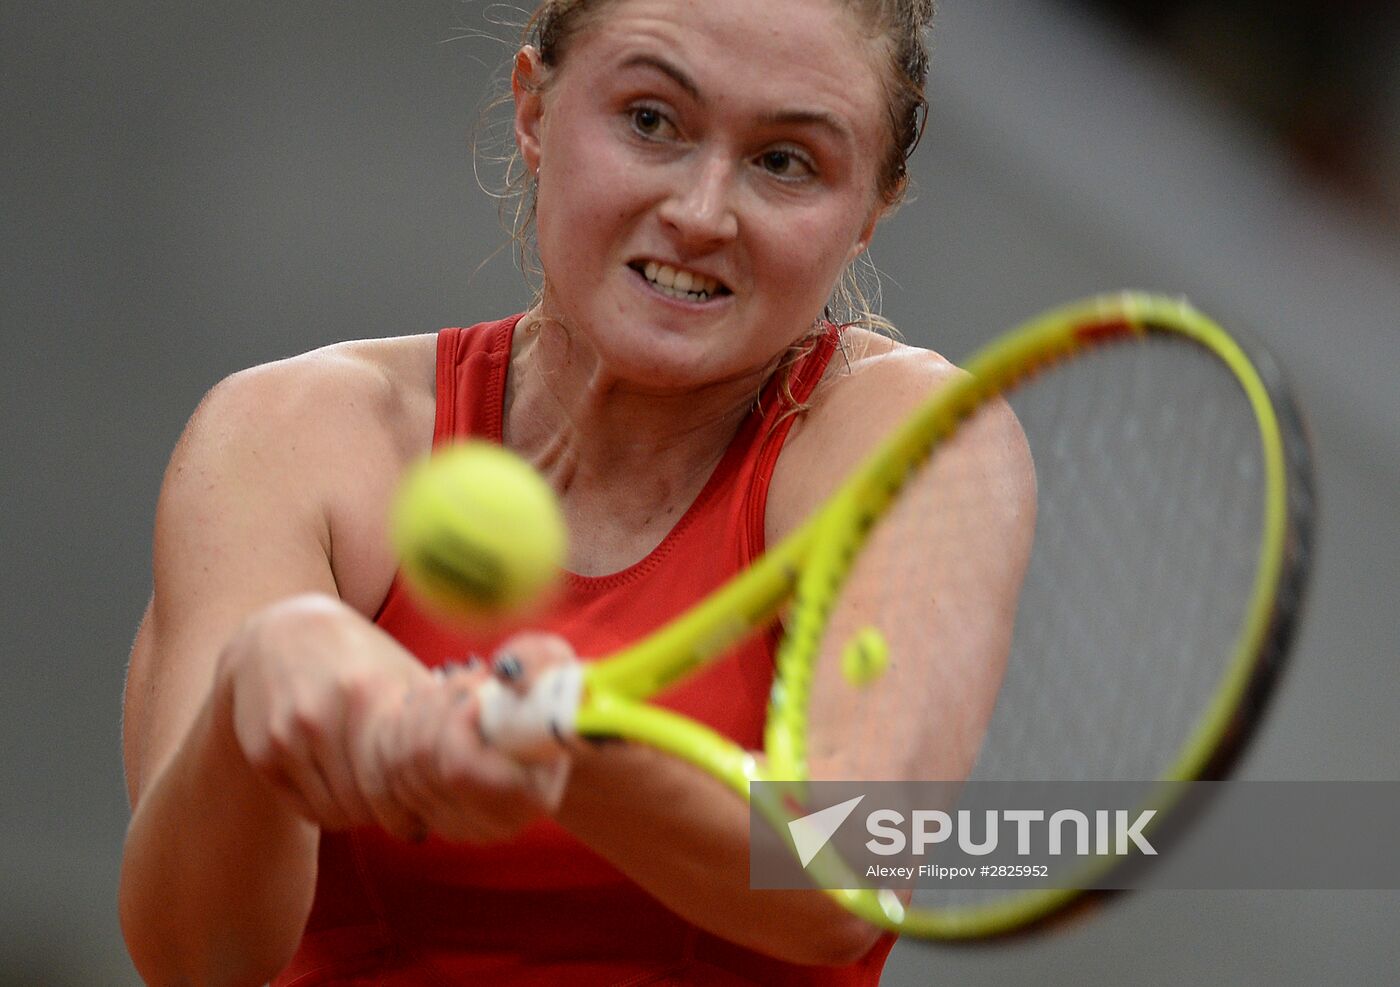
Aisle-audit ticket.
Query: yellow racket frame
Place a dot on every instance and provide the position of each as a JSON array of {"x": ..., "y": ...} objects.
[{"x": 809, "y": 566}]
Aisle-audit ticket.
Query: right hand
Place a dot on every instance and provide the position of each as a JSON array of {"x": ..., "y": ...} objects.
[{"x": 347, "y": 726}]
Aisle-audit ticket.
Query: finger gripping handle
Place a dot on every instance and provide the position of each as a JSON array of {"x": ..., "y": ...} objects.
[{"x": 538, "y": 722}]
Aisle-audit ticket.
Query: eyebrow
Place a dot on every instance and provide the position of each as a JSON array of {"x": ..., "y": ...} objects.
[
  {"x": 796, "y": 117},
  {"x": 676, "y": 74},
  {"x": 808, "y": 118}
]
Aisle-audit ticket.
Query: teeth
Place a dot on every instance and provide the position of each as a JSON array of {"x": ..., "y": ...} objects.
[{"x": 680, "y": 284}]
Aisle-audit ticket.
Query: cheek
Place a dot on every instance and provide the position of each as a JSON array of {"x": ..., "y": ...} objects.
[
  {"x": 578, "y": 163},
  {"x": 575, "y": 228},
  {"x": 808, "y": 254}
]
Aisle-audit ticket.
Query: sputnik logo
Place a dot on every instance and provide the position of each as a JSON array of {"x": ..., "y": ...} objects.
[{"x": 812, "y": 832}]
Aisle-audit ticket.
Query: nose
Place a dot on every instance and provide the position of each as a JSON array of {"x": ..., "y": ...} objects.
[{"x": 699, "y": 211}]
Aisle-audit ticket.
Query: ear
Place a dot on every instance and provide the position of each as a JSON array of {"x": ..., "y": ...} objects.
[
  {"x": 866, "y": 234},
  {"x": 527, "y": 86}
]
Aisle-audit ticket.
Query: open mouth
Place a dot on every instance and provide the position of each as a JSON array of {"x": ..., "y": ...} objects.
[{"x": 678, "y": 283}]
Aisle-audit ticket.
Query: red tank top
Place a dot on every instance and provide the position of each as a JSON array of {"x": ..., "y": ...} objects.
[{"x": 543, "y": 908}]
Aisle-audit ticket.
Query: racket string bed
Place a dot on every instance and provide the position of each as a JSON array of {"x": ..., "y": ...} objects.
[
  {"x": 1116, "y": 575},
  {"x": 1149, "y": 468}
]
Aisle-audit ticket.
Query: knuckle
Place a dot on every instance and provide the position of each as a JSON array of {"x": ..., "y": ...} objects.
[
  {"x": 265, "y": 754},
  {"x": 359, "y": 692},
  {"x": 276, "y": 745},
  {"x": 452, "y": 769},
  {"x": 306, "y": 722}
]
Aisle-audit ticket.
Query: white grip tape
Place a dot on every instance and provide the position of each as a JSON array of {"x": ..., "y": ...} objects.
[{"x": 538, "y": 722}]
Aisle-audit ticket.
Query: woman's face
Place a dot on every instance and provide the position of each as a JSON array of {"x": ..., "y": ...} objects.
[{"x": 706, "y": 172}]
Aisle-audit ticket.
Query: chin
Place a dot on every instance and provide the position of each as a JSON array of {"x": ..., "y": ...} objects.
[
  {"x": 666, "y": 349},
  {"x": 661, "y": 360},
  {"x": 663, "y": 367}
]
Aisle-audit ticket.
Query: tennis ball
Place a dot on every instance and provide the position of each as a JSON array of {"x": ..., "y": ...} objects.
[
  {"x": 478, "y": 532},
  {"x": 865, "y": 657}
]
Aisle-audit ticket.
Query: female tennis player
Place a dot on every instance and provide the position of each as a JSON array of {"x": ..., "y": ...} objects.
[{"x": 313, "y": 801}]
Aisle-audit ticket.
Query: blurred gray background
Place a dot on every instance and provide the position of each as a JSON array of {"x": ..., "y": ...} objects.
[{"x": 192, "y": 188}]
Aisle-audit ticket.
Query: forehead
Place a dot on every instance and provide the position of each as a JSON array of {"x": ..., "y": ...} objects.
[{"x": 771, "y": 53}]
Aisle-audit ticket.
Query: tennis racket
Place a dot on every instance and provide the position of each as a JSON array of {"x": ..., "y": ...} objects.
[{"x": 1169, "y": 556}]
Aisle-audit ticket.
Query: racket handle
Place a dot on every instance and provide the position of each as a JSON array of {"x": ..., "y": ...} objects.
[{"x": 536, "y": 725}]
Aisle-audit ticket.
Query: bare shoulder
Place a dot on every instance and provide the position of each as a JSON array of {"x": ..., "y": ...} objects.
[
  {"x": 366, "y": 389},
  {"x": 886, "y": 377},
  {"x": 324, "y": 436},
  {"x": 860, "y": 400}
]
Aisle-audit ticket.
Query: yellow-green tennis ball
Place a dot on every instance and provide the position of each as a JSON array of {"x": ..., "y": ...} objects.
[
  {"x": 478, "y": 532},
  {"x": 865, "y": 657}
]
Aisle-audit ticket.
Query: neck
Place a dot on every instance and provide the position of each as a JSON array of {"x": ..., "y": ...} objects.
[{"x": 621, "y": 456}]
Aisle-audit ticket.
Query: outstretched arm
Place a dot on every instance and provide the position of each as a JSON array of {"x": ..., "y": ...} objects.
[
  {"x": 218, "y": 870},
  {"x": 260, "y": 707}
]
